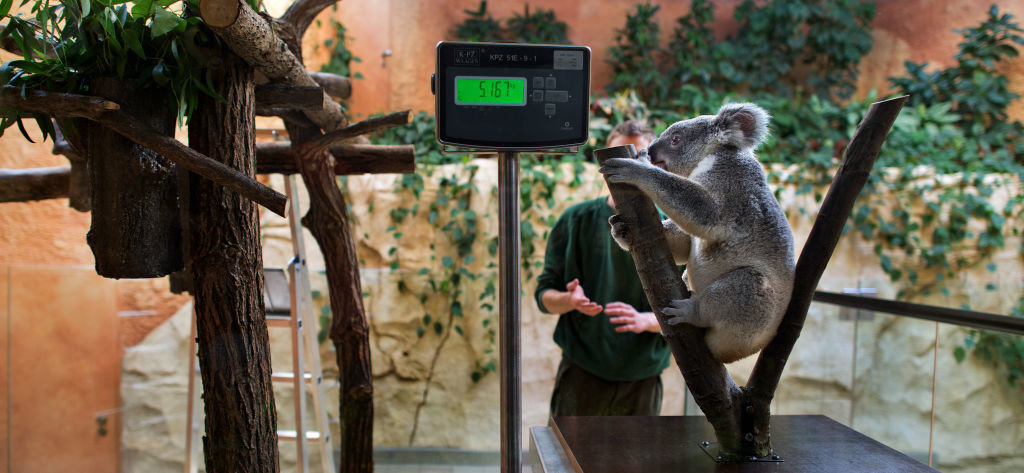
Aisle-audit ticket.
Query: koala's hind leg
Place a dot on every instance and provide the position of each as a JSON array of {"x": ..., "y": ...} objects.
[{"x": 739, "y": 300}]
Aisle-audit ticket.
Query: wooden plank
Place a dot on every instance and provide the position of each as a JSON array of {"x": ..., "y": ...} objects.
[{"x": 806, "y": 444}]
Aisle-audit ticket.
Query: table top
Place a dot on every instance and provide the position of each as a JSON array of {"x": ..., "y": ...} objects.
[{"x": 806, "y": 443}]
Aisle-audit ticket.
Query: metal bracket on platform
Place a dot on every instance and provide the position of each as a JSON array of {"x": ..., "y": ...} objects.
[{"x": 711, "y": 449}]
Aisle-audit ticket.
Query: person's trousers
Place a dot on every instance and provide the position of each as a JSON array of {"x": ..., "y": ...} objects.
[{"x": 580, "y": 393}]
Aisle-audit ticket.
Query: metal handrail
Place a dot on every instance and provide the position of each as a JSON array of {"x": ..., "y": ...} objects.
[{"x": 965, "y": 318}]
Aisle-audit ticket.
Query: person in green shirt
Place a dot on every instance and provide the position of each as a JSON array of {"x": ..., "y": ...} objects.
[{"x": 612, "y": 349}]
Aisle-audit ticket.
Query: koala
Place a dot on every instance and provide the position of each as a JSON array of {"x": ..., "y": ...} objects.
[{"x": 723, "y": 223}]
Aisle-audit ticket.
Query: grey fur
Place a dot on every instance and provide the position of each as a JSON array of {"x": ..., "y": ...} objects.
[{"x": 724, "y": 223}]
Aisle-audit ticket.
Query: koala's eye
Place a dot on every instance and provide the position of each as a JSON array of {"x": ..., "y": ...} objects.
[{"x": 675, "y": 140}]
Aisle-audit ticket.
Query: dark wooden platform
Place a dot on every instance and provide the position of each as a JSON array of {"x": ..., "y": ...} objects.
[{"x": 812, "y": 444}]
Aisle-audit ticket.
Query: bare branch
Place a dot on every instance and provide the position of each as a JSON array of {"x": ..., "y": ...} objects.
[
  {"x": 109, "y": 114},
  {"x": 369, "y": 125},
  {"x": 22, "y": 185},
  {"x": 301, "y": 14},
  {"x": 252, "y": 39}
]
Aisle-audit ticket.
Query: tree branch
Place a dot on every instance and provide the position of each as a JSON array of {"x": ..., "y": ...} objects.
[
  {"x": 853, "y": 173},
  {"x": 369, "y": 125},
  {"x": 301, "y": 14},
  {"x": 109, "y": 114},
  {"x": 252, "y": 39},
  {"x": 22, "y": 185},
  {"x": 709, "y": 382}
]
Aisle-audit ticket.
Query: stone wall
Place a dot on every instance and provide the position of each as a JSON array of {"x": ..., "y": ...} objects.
[{"x": 873, "y": 375}]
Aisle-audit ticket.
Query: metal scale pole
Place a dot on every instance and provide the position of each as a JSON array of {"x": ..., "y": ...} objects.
[{"x": 508, "y": 311}]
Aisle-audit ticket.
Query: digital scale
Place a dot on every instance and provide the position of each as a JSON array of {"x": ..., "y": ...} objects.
[
  {"x": 520, "y": 97},
  {"x": 510, "y": 98}
]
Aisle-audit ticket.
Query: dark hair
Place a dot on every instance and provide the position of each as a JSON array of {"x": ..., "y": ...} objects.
[{"x": 631, "y": 128}]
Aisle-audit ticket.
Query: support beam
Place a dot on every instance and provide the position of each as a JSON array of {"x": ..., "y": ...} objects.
[
  {"x": 339, "y": 87},
  {"x": 289, "y": 96},
  {"x": 348, "y": 159},
  {"x": 23, "y": 185},
  {"x": 107, "y": 113}
]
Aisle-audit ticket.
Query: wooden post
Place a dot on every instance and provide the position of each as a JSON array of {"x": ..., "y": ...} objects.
[
  {"x": 227, "y": 276},
  {"x": 136, "y": 229}
]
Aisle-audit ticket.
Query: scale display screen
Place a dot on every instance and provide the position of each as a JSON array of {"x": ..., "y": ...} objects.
[
  {"x": 507, "y": 96},
  {"x": 499, "y": 91}
]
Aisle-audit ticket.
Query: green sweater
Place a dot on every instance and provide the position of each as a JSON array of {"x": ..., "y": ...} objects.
[{"x": 581, "y": 247}]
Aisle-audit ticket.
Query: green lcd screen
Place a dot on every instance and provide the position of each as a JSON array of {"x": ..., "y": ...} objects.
[{"x": 499, "y": 91}]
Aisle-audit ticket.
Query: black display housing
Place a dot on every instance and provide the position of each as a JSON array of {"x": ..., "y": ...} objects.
[{"x": 557, "y": 109}]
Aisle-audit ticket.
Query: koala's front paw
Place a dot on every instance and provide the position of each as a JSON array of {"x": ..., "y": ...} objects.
[
  {"x": 623, "y": 171},
  {"x": 620, "y": 230},
  {"x": 682, "y": 310}
]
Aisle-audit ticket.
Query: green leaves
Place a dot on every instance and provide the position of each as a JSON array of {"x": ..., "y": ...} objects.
[
  {"x": 164, "y": 22},
  {"x": 83, "y": 39}
]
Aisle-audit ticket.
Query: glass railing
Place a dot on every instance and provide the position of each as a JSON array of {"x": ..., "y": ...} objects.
[{"x": 919, "y": 387}]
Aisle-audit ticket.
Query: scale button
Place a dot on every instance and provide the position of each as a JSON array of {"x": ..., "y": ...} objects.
[
  {"x": 557, "y": 95},
  {"x": 549, "y": 109},
  {"x": 549, "y": 82},
  {"x": 538, "y": 95},
  {"x": 538, "y": 82}
]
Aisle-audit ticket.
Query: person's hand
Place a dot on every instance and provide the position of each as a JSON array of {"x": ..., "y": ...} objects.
[
  {"x": 580, "y": 301},
  {"x": 629, "y": 320}
]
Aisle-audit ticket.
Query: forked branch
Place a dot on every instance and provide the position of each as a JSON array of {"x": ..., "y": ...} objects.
[{"x": 369, "y": 125}]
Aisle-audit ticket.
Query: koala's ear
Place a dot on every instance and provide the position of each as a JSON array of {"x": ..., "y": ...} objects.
[{"x": 743, "y": 125}]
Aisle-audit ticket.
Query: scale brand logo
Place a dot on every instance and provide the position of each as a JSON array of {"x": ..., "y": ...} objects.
[{"x": 467, "y": 57}]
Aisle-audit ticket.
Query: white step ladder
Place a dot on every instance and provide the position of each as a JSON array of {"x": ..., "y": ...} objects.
[{"x": 288, "y": 301}]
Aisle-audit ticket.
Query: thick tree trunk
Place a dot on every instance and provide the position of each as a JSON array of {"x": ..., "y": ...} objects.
[
  {"x": 136, "y": 229},
  {"x": 226, "y": 268}
]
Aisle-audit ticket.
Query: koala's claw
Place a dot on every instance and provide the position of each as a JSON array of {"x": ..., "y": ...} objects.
[
  {"x": 620, "y": 230},
  {"x": 681, "y": 309},
  {"x": 621, "y": 170}
]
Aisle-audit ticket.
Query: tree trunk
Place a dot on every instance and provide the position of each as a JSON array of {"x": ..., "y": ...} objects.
[
  {"x": 227, "y": 274},
  {"x": 328, "y": 220},
  {"x": 136, "y": 228}
]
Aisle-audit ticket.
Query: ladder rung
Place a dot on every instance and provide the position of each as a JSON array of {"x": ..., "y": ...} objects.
[
  {"x": 284, "y": 376},
  {"x": 311, "y": 435},
  {"x": 279, "y": 320}
]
